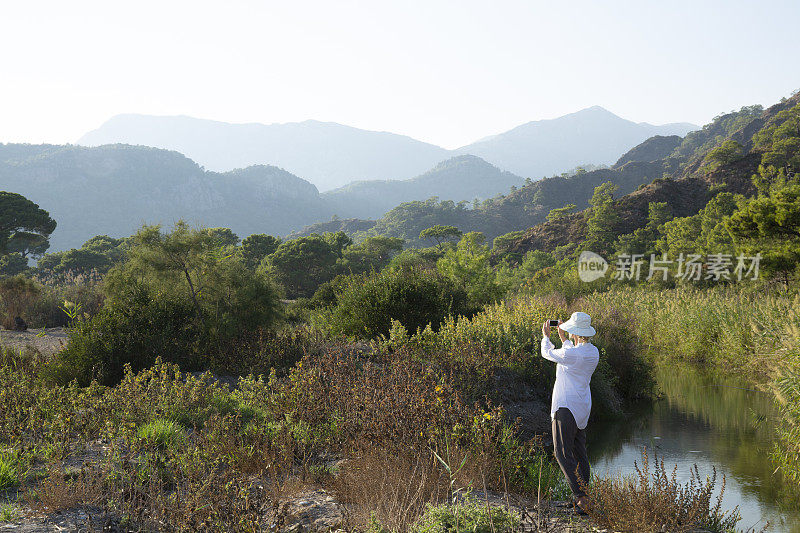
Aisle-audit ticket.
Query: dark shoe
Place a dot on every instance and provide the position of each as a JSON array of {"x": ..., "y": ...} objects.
[{"x": 580, "y": 510}]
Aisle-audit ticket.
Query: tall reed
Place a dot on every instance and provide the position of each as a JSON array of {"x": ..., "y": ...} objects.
[{"x": 755, "y": 335}]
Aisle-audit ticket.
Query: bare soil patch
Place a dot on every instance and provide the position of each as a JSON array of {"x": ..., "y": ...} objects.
[{"x": 48, "y": 341}]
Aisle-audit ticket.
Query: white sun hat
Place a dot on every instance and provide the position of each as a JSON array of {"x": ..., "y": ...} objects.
[{"x": 579, "y": 324}]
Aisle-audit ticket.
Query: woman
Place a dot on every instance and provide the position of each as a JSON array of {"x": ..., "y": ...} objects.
[{"x": 572, "y": 400}]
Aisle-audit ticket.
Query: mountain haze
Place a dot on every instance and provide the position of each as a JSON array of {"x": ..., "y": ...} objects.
[
  {"x": 114, "y": 188},
  {"x": 331, "y": 155},
  {"x": 327, "y": 154},
  {"x": 546, "y": 147}
]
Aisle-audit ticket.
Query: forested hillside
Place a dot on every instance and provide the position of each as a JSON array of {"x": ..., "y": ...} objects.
[
  {"x": 729, "y": 155},
  {"x": 519, "y": 209},
  {"x": 460, "y": 178},
  {"x": 114, "y": 189},
  {"x": 683, "y": 172}
]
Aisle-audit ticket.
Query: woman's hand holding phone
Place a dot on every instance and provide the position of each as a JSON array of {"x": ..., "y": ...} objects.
[
  {"x": 561, "y": 333},
  {"x": 549, "y": 324}
]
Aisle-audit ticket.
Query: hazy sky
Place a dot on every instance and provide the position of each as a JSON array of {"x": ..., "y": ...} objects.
[{"x": 442, "y": 72}]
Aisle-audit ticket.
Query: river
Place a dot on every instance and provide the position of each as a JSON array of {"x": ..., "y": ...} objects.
[{"x": 708, "y": 421}]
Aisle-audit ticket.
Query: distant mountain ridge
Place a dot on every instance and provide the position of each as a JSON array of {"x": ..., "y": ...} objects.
[
  {"x": 544, "y": 147},
  {"x": 662, "y": 168},
  {"x": 114, "y": 188},
  {"x": 327, "y": 154},
  {"x": 332, "y": 155},
  {"x": 461, "y": 178}
]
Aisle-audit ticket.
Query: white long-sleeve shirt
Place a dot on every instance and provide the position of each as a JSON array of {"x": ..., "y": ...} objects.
[{"x": 573, "y": 374}]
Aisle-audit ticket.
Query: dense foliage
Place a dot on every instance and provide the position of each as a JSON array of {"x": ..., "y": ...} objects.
[
  {"x": 366, "y": 305},
  {"x": 179, "y": 296},
  {"x": 96, "y": 256},
  {"x": 302, "y": 265},
  {"x": 25, "y": 230}
]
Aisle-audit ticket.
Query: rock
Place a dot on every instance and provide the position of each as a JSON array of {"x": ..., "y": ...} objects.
[{"x": 315, "y": 511}]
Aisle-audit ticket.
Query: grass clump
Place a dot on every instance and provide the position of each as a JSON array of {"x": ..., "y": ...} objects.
[
  {"x": 12, "y": 471},
  {"x": 468, "y": 516},
  {"x": 656, "y": 501},
  {"x": 163, "y": 434},
  {"x": 8, "y": 512}
]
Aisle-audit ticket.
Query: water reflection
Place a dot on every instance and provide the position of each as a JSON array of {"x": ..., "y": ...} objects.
[{"x": 711, "y": 421}]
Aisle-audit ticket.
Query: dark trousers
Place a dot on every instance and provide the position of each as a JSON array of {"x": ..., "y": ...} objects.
[{"x": 569, "y": 445}]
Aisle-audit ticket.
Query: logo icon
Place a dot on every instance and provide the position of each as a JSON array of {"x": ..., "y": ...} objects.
[{"x": 591, "y": 266}]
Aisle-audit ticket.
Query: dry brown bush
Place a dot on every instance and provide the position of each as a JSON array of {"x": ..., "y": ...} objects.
[
  {"x": 386, "y": 400},
  {"x": 656, "y": 501},
  {"x": 60, "y": 491},
  {"x": 263, "y": 351},
  {"x": 17, "y": 296},
  {"x": 390, "y": 488}
]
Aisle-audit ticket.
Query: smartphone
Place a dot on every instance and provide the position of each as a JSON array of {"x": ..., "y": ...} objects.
[{"x": 554, "y": 323}]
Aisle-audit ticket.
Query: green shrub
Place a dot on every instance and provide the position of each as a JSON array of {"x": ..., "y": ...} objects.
[
  {"x": 468, "y": 267},
  {"x": 8, "y": 512},
  {"x": 134, "y": 332},
  {"x": 325, "y": 295},
  {"x": 470, "y": 516},
  {"x": 178, "y": 296},
  {"x": 161, "y": 433},
  {"x": 367, "y": 304},
  {"x": 11, "y": 469},
  {"x": 164, "y": 392},
  {"x": 189, "y": 266}
]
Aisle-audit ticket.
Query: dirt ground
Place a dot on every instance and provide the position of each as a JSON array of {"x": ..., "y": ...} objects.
[{"x": 47, "y": 341}]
